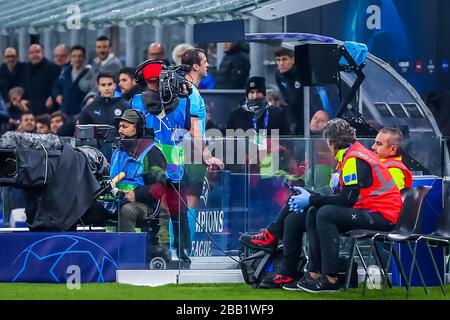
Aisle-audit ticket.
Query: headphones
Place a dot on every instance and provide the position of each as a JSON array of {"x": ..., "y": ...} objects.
[
  {"x": 138, "y": 73},
  {"x": 140, "y": 125}
]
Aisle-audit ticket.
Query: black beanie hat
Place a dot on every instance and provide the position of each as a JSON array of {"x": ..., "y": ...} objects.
[{"x": 258, "y": 83}]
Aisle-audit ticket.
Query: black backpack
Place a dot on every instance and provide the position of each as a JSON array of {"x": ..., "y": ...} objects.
[{"x": 262, "y": 265}]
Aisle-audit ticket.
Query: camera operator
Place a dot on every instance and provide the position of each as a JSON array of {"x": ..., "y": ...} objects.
[
  {"x": 144, "y": 166},
  {"x": 169, "y": 117}
]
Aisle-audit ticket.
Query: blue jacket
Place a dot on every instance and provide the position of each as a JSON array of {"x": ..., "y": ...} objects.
[
  {"x": 169, "y": 132},
  {"x": 133, "y": 168},
  {"x": 70, "y": 91}
]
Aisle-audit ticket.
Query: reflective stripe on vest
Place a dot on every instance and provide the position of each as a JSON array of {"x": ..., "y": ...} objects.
[
  {"x": 169, "y": 132},
  {"x": 383, "y": 196},
  {"x": 386, "y": 185},
  {"x": 123, "y": 162},
  {"x": 397, "y": 163}
]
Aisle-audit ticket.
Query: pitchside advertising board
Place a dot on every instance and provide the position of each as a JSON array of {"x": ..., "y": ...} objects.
[
  {"x": 58, "y": 257},
  {"x": 213, "y": 223}
]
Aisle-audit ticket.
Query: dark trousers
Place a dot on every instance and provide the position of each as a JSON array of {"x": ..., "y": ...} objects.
[
  {"x": 176, "y": 201},
  {"x": 294, "y": 227},
  {"x": 325, "y": 225},
  {"x": 276, "y": 227}
]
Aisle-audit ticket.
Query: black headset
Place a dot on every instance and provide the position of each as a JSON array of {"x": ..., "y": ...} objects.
[
  {"x": 138, "y": 73},
  {"x": 140, "y": 125}
]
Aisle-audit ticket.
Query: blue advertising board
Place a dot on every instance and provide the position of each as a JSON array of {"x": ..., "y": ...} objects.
[{"x": 53, "y": 257}]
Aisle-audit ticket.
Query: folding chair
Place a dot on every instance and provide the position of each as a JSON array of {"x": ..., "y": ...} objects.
[
  {"x": 440, "y": 237},
  {"x": 408, "y": 223}
]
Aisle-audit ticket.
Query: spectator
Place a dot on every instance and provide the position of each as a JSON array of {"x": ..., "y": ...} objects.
[
  {"x": 88, "y": 99},
  {"x": 256, "y": 113},
  {"x": 274, "y": 98},
  {"x": 27, "y": 123},
  {"x": 14, "y": 107},
  {"x": 127, "y": 84},
  {"x": 289, "y": 83},
  {"x": 12, "y": 72},
  {"x": 4, "y": 117},
  {"x": 156, "y": 51},
  {"x": 318, "y": 121},
  {"x": 61, "y": 56},
  {"x": 66, "y": 90},
  {"x": 104, "y": 62},
  {"x": 41, "y": 76},
  {"x": 105, "y": 106},
  {"x": 210, "y": 123},
  {"x": 57, "y": 120},
  {"x": 235, "y": 66},
  {"x": 178, "y": 51},
  {"x": 43, "y": 124}
]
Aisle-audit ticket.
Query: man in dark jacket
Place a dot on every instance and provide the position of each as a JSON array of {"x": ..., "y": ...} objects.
[
  {"x": 288, "y": 81},
  {"x": 235, "y": 66},
  {"x": 104, "y": 62},
  {"x": 105, "y": 107},
  {"x": 66, "y": 89},
  {"x": 256, "y": 113},
  {"x": 127, "y": 84},
  {"x": 41, "y": 75},
  {"x": 12, "y": 73}
]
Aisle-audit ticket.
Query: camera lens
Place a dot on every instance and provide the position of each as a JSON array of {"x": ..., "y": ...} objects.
[{"x": 9, "y": 170}]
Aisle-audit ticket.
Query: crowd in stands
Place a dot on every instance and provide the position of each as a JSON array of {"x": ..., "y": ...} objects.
[{"x": 45, "y": 95}]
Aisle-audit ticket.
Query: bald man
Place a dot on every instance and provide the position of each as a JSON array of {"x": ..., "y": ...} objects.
[
  {"x": 61, "y": 55},
  {"x": 12, "y": 72},
  {"x": 156, "y": 51},
  {"x": 318, "y": 121},
  {"x": 41, "y": 76}
]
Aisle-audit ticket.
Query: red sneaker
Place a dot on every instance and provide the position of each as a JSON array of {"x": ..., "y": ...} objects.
[
  {"x": 263, "y": 240},
  {"x": 276, "y": 282}
]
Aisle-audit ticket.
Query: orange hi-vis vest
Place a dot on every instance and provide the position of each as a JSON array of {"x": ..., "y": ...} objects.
[
  {"x": 383, "y": 195},
  {"x": 396, "y": 162}
]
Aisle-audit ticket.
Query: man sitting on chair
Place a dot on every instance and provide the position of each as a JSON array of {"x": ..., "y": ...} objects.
[{"x": 388, "y": 147}]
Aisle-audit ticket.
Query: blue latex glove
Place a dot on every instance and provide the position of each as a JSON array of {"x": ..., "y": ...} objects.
[
  {"x": 298, "y": 202},
  {"x": 334, "y": 182}
]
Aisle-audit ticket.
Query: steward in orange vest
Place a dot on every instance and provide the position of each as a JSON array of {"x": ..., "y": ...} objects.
[
  {"x": 388, "y": 147},
  {"x": 368, "y": 198}
]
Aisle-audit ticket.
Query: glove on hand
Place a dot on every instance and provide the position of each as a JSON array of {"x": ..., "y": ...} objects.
[{"x": 298, "y": 202}]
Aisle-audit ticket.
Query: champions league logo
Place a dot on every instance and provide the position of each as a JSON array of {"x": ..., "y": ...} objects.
[{"x": 51, "y": 257}]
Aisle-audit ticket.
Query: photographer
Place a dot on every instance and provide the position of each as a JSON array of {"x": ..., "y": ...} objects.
[
  {"x": 144, "y": 167},
  {"x": 168, "y": 114}
]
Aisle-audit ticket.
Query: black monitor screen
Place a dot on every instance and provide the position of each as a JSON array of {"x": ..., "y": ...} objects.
[
  {"x": 413, "y": 110},
  {"x": 383, "y": 110},
  {"x": 398, "y": 110}
]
